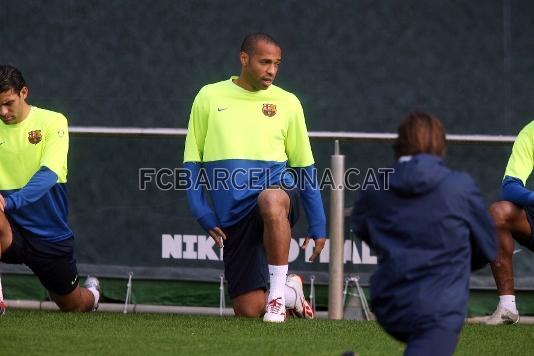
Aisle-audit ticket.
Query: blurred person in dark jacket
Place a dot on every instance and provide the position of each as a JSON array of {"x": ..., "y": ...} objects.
[{"x": 429, "y": 228}]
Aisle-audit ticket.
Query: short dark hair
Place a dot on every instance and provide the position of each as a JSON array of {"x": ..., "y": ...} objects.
[
  {"x": 250, "y": 41},
  {"x": 11, "y": 78},
  {"x": 420, "y": 132}
]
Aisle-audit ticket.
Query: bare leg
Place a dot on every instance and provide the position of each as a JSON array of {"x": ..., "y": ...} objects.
[
  {"x": 79, "y": 300},
  {"x": 250, "y": 304},
  {"x": 6, "y": 238},
  {"x": 5, "y": 233},
  {"x": 509, "y": 218},
  {"x": 274, "y": 209}
]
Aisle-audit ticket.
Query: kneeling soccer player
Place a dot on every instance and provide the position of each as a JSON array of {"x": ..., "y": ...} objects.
[
  {"x": 253, "y": 130},
  {"x": 33, "y": 195}
]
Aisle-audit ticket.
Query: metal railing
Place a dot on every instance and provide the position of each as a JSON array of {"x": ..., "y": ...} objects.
[
  {"x": 325, "y": 135},
  {"x": 337, "y": 205}
]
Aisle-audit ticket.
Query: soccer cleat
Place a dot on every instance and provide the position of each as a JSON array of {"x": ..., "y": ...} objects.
[
  {"x": 302, "y": 308},
  {"x": 93, "y": 282},
  {"x": 502, "y": 316},
  {"x": 3, "y": 307},
  {"x": 276, "y": 311}
]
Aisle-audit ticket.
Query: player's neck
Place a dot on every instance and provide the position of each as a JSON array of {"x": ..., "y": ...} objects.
[
  {"x": 241, "y": 82},
  {"x": 26, "y": 108}
]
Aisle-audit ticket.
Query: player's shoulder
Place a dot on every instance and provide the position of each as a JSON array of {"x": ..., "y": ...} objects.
[
  {"x": 214, "y": 88},
  {"x": 49, "y": 116},
  {"x": 527, "y": 130}
]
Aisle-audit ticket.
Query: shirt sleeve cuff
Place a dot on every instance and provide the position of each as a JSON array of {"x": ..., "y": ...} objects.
[
  {"x": 9, "y": 204},
  {"x": 317, "y": 232}
]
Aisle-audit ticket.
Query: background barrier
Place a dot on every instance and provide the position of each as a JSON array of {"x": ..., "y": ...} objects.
[{"x": 357, "y": 66}]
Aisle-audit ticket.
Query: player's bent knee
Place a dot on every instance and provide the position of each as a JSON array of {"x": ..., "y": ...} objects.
[
  {"x": 248, "y": 311},
  {"x": 72, "y": 302},
  {"x": 250, "y": 304},
  {"x": 503, "y": 212},
  {"x": 273, "y": 204}
]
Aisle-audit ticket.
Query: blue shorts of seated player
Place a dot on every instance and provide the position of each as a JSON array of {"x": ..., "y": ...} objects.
[{"x": 52, "y": 262}]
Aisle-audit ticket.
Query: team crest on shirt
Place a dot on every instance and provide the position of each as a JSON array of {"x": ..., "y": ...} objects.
[
  {"x": 35, "y": 136},
  {"x": 269, "y": 110}
]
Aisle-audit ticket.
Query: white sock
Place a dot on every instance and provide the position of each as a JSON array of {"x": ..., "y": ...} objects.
[
  {"x": 96, "y": 294},
  {"x": 277, "y": 280},
  {"x": 291, "y": 297},
  {"x": 1, "y": 293},
  {"x": 508, "y": 302}
]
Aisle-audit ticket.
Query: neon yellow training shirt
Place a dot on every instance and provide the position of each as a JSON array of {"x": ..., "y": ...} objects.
[
  {"x": 256, "y": 133},
  {"x": 33, "y": 173}
]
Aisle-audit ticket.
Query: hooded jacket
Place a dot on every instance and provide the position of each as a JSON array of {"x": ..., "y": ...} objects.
[{"x": 429, "y": 229}]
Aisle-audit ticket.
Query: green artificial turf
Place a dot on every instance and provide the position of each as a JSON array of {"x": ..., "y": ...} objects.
[{"x": 26, "y": 332}]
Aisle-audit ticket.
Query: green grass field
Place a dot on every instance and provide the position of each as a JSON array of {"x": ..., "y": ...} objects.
[{"x": 24, "y": 332}]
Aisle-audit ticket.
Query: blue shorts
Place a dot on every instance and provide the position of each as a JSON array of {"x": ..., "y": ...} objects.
[
  {"x": 245, "y": 260},
  {"x": 530, "y": 217},
  {"x": 52, "y": 262}
]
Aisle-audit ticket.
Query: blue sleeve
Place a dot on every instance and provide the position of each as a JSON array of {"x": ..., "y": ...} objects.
[
  {"x": 197, "y": 198},
  {"x": 513, "y": 190},
  {"x": 39, "y": 184},
  {"x": 311, "y": 201}
]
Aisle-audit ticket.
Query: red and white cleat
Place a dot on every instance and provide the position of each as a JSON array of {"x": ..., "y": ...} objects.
[
  {"x": 3, "y": 307},
  {"x": 276, "y": 311},
  {"x": 302, "y": 308}
]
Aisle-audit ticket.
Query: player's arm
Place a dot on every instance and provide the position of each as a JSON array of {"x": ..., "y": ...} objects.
[
  {"x": 518, "y": 170},
  {"x": 39, "y": 184},
  {"x": 300, "y": 158},
  {"x": 52, "y": 166},
  {"x": 513, "y": 189},
  {"x": 193, "y": 158}
]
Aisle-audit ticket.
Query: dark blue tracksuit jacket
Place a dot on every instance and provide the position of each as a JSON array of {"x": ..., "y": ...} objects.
[{"x": 429, "y": 230}]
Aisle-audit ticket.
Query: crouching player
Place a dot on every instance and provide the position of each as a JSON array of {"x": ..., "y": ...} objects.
[
  {"x": 252, "y": 130},
  {"x": 33, "y": 197}
]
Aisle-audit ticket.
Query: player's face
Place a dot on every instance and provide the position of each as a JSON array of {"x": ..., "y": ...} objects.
[
  {"x": 12, "y": 106},
  {"x": 260, "y": 67}
]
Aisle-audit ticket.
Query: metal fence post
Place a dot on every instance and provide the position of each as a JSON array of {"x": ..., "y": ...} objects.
[{"x": 337, "y": 219}]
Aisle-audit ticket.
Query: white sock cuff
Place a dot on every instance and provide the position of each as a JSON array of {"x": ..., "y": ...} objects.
[
  {"x": 507, "y": 298},
  {"x": 276, "y": 270}
]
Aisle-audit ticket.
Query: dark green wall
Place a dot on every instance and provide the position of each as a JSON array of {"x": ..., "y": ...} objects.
[{"x": 355, "y": 65}]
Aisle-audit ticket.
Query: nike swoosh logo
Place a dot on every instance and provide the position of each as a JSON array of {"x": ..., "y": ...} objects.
[{"x": 221, "y": 109}]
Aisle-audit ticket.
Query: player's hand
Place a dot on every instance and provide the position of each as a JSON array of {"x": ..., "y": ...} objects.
[
  {"x": 2, "y": 203},
  {"x": 319, "y": 244},
  {"x": 218, "y": 235}
]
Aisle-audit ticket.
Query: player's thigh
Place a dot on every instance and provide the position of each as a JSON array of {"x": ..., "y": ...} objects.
[
  {"x": 245, "y": 261},
  {"x": 6, "y": 234},
  {"x": 14, "y": 247},
  {"x": 250, "y": 304},
  {"x": 68, "y": 302},
  {"x": 54, "y": 264}
]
